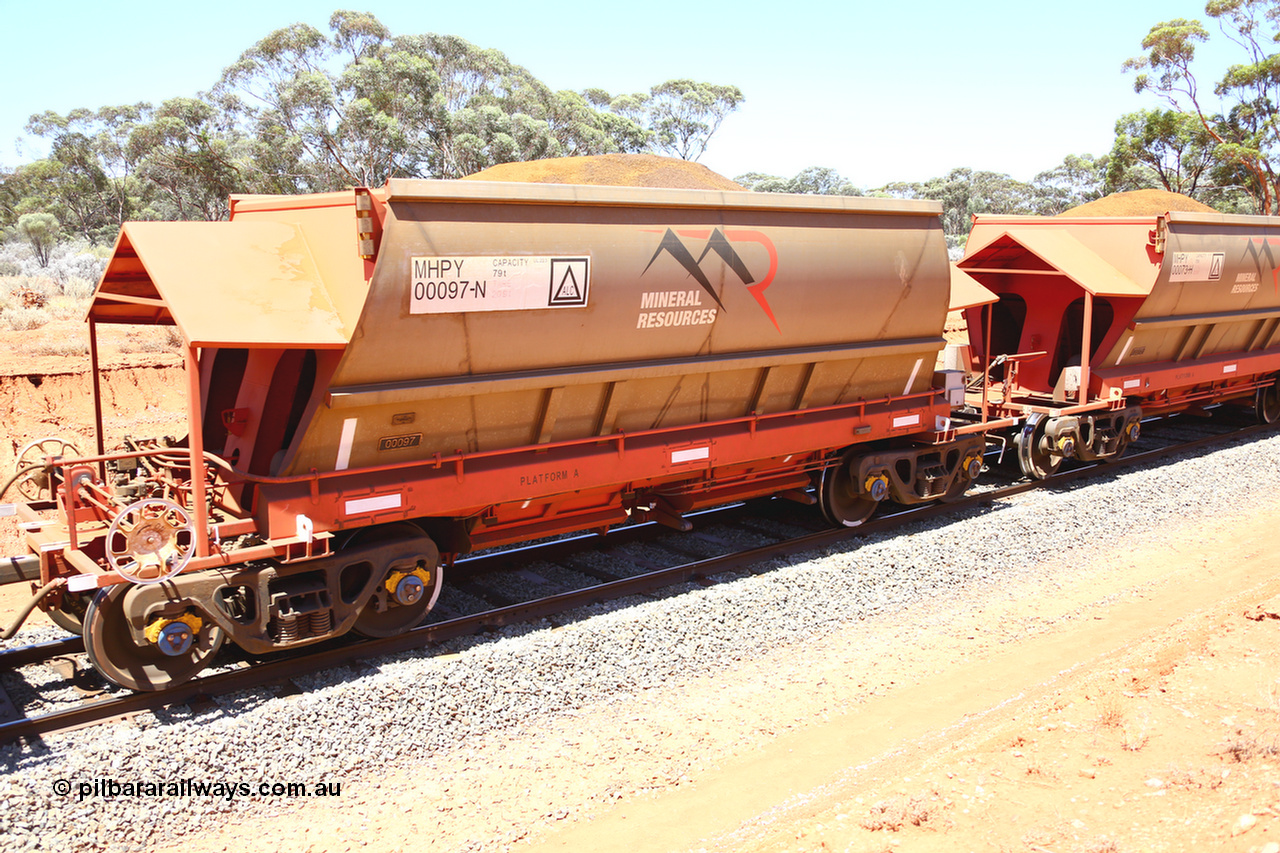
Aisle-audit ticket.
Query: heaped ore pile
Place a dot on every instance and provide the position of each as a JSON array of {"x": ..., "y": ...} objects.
[
  {"x": 615, "y": 170},
  {"x": 1139, "y": 203}
]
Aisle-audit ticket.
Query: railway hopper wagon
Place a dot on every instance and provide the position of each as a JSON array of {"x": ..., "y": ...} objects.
[
  {"x": 1103, "y": 320},
  {"x": 382, "y": 380}
]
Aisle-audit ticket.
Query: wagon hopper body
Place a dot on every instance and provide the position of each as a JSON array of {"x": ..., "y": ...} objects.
[
  {"x": 1102, "y": 320},
  {"x": 382, "y": 379}
]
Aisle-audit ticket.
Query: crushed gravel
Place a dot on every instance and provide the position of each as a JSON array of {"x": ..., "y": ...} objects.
[{"x": 397, "y": 710}]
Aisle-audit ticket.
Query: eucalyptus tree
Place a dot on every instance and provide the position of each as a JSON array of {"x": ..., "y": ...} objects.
[
  {"x": 1171, "y": 149},
  {"x": 41, "y": 231},
  {"x": 684, "y": 115},
  {"x": 191, "y": 160},
  {"x": 325, "y": 112},
  {"x": 1078, "y": 179},
  {"x": 814, "y": 180},
  {"x": 1243, "y": 123},
  {"x": 303, "y": 110},
  {"x": 364, "y": 105},
  {"x": 497, "y": 112},
  {"x": 89, "y": 179},
  {"x": 964, "y": 192}
]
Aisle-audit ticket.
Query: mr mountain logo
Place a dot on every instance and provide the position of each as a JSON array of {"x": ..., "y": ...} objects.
[
  {"x": 692, "y": 310},
  {"x": 1259, "y": 251}
]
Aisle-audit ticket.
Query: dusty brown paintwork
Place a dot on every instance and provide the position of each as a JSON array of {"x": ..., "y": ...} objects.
[
  {"x": 344, "y": 435},
  {"x": 276, "y": 275},
  {"x": 859, "y": 298},
  {"x": 1127, "y": 263},
  {"x": 1190, "y": 319},
  {"x": 854, "y": 310},
  {"x": 966, "y": 292}
]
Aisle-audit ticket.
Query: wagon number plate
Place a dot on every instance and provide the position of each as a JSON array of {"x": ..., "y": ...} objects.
[
  {"x": 400, "y": 442},
  {"x": 456, "y": 284}
]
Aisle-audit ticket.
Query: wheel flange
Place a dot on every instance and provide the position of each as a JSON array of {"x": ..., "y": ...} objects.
[{"x": 152, "y": 661}]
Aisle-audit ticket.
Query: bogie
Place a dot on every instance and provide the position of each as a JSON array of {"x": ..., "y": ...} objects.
[{"x": 262, "y": 608}]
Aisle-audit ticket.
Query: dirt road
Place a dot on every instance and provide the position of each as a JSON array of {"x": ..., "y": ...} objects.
[{"x": 1143, "y": 715}]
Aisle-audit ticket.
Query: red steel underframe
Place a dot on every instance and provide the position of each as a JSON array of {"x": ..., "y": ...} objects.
[
  {"x": 1231, "y": 374},
  {"x": 462, "y": 485},
  {"x": 1167, "y": 385}
]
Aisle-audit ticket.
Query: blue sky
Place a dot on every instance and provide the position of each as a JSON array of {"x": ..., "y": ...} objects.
[{"x": 879, "y": 91}]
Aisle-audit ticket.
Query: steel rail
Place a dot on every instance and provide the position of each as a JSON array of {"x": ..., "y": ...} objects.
[
  {"x": 40, "y": 652},
  {"x": 274, "y": 671},
  {"x": 479, "y": 564}
]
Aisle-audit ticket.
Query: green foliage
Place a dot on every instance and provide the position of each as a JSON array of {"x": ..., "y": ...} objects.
[
  {"x": 1163, "y": 148},
  {"x": 1077, "y": 180},
  {"x": 314, "y": 129},
  {"x": 815, "y": 180},
  {"x": 41, "y": 230},
  {"x": 190, "y": 161},
  {"x": 1170, "y": 46},
  {"x": 364, "y": 106},
  {"x": 964, "y": 192},
  {"x": 303, "y": 110},
  {"x": 12, "y": 192},
  {"x": 88, "y": 181},
  {"x": 1244, "y": 137},
  {"x": 684, "y": 115}
]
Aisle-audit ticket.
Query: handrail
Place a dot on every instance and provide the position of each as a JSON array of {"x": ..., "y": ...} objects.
[{"x": 439, "y": 460}]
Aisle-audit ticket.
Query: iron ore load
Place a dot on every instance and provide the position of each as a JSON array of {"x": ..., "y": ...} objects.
[
  {"x": 1101, "y": 321},
  {"x": 381, "y": 380}
]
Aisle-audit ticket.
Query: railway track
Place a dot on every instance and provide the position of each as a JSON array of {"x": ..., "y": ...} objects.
[{"x": 1168, "y": 438}]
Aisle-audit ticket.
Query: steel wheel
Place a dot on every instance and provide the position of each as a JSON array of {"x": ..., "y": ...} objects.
[
  {"x": 1267, "y": 403},
  {"x": 966, "y": 476},
  {"x": 112, "y": 651},
  {"x": 35, "y": 484},
  {"x": 69, "y": 615},
  {"x": 957, "y": 490},
  {"x": 410, "y": 583},
  {"x": 1034, "y": 449},
  {"x": 842, "y": 503}
]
